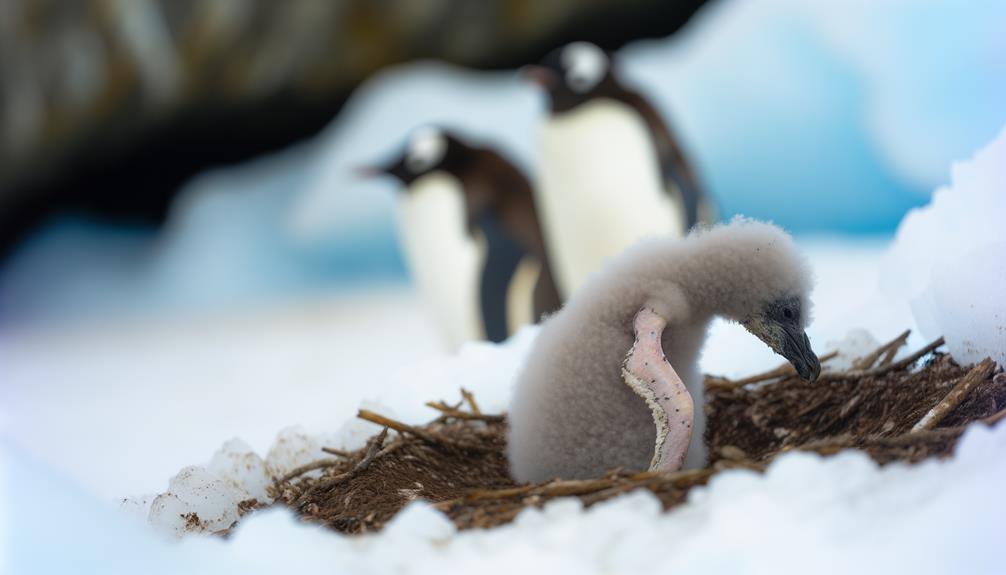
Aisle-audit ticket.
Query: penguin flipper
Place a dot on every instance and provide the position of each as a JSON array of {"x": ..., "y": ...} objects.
[{"x": 503, "y": 255}]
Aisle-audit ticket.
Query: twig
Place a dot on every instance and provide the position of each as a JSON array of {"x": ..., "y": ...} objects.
[
  {"x": 978, "y": 374},
  {"x": 451, "y": 412},
  {"x": 494, "y": 493},
  {"x": 564, "y": 488},
  {"x": 297, "y": 471},
  {"x": 618, "y": 489},
  {"x": 555, "y": 488},
  {"x": 883, "y": 369},
  {"x": 398, "y": 426},
  {"x": 889, "y": 356},
  {"x": 434, "y": 439},
  {"x": 470, "y": 398},
  {"x": 888, "y": 349},
  {"x": 784, "y": 370},
  {"x": 443, "y": 417},
  {"x": 339, "y": 452},
  {"x": 373, "y": 451}
]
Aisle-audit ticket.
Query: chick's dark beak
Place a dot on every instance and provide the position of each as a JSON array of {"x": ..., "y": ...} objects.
[{"x": 796, "y": 349}]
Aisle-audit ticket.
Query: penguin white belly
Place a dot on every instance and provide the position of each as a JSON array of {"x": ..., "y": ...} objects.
[
  {"x": 444, "y": 260},
  {"x": 600, "y": 189}
]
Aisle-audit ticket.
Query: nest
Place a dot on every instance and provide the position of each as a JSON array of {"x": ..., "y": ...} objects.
[{"x": 889, "y": 410}]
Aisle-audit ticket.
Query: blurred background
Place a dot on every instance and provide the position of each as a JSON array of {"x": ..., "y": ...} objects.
[
  {"x": 161, "y": 156},
  {"x": 179, "y": 211}
]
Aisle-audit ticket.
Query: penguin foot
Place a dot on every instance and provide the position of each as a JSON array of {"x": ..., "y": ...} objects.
[{"x": 647, "y": 372}]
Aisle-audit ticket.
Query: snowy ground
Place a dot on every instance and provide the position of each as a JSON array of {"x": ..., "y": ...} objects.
[
  {"x": 111, "y": 411},
  {"x": 120, "y": 409}
]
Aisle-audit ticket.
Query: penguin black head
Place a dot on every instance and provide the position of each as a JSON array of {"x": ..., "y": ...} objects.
[
  {"x": 428, "y": 149},
  {"x": 573, "y": 74}
]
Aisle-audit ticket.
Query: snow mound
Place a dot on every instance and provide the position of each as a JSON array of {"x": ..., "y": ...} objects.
[
  {"x": 949, "y": 259},
  {"x": 836, "y": 514}
]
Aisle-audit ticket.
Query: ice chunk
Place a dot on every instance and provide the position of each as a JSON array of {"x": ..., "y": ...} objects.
[
  {"x": 196, "y": 501},
  {"x": 293, "y": 447},
  {"x": 238, "y": 464},
  {"x": 949, "y": 259}
]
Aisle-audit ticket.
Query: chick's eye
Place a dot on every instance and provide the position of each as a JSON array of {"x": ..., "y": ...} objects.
[{"x": 787, "y": 313}]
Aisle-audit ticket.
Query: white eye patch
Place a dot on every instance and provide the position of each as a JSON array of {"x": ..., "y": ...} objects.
[
  {"x": 585, "y": 66},
  {"x": 426, "y": 148}
]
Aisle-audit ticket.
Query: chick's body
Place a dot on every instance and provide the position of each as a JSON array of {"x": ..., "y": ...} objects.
[
  {"x": 572, "y": 414},
  {"x": 576, "y": 370}
]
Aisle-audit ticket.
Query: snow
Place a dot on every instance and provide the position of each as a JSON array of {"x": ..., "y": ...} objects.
[
  {"x": 805, "y": 514},
  {"x": 948, "y": 260},
  {"x": 832, "y": 515},
  {"x": 120, "y": 407}
]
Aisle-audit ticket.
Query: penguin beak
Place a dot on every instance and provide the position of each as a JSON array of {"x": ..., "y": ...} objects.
[
  {"x": 788, "y": 340},
  {"x": 796, "y": 349},
  {"x": 541, "y": 76}
]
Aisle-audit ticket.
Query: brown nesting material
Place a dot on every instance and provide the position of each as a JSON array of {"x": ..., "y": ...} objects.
[{"x": 458, "y": 461}]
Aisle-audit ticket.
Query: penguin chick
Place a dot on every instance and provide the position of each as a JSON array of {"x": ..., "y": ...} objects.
[{"x": 597, "y": 379}]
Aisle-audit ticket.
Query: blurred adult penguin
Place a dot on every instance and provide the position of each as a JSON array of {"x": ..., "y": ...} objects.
[
  {"x": 611, "y": 171},
  {"x": 469, "y": 229}
]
